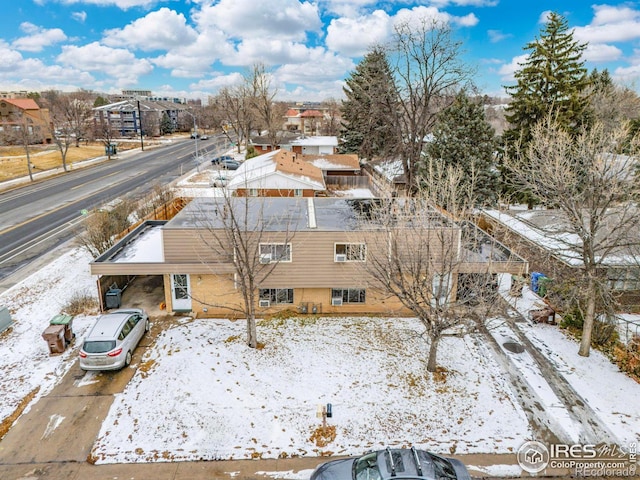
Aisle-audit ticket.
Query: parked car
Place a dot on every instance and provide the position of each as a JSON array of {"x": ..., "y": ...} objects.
[
  {"x": 393, "y": 463},
  {"x": 230, "y": 164},
  {"x": 112, "y": 340},
  {"x": 222, "y": 158},
  {"x": 204, "y": 137},
  {"x": 219, "y": 180}
]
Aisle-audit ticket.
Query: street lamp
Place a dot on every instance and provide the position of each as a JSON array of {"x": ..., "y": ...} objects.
[{"x": 195, "y": 132}]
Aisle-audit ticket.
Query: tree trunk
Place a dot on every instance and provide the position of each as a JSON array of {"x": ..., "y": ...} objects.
[
  {"x": 589, "y": 319},
  {"x": 432, "y": 363},
  {"x": 29, "y": 163},
  {"x": 252, "y": 334}
]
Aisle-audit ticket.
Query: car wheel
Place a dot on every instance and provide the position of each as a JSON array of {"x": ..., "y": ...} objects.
[
  {"x": 127, "y": 359},
  {"x": 147, "y": 326}
]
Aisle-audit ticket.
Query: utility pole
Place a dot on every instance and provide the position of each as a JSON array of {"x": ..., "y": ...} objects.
[{"x": 140, "y": 123}]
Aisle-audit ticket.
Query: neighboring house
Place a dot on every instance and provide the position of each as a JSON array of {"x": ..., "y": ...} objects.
[
  {"x": 540, "y": 237},
  {"x": 128, "y": 116},
  {"x": 338, "y": 164},
  {"x": 320, "y": 145},
  {"x": 305, "y": 118},
  {"x": 315, "y": 248},
  {"x": 17, "y": 114},
  {"x": 262, "y": 143},
  {"x": 280, "y": 173}
]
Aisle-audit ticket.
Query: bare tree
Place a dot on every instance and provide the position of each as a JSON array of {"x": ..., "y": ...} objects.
[
  {"x": 426, "y": 63},
  {"x": 103, "y": 226},
  {"x": 437, "y": 263},
  {"x": 269, "y": 114},
  {"x": 596, "y": 193},
  {"x": 105, "y": 133},
  {"x": 332, "y": 119},
  {"x": 236, "y": 103},
  {"x": 251, "y": 235}
]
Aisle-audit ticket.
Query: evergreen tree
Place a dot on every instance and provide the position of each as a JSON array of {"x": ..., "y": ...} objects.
[
  {"x": 166, "y": 125},
  {"x": 369, "y": 93},
  {"x": 552, "y": 80},
  {"x": 463, "y": 139}
]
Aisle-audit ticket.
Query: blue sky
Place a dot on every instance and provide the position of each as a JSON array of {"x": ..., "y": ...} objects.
[{"x": 192, "y": 48}]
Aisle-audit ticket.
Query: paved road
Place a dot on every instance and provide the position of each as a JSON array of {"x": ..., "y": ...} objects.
[{"x": 38, "y": 217}]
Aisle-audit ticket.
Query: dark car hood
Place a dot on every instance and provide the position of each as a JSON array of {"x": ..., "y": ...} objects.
[{"x": 334, "y": 470}]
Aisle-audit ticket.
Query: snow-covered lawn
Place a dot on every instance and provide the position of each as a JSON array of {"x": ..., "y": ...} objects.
[{"x": 201, "y": 393}]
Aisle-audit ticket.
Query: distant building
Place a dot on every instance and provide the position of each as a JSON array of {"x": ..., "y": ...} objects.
[
  {"x": 18, "y": 114},
  {"x": 128, "y": 117}
]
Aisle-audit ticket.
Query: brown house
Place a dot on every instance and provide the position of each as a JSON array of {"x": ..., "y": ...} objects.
[
  {"x": 20, "y": 115},
  {"x": 314, "y": 251}
]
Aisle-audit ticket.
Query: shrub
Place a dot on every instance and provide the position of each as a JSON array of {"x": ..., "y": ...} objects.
[
  {"x": 627, "y": 357},
  {"x": 81, "y": 303}
]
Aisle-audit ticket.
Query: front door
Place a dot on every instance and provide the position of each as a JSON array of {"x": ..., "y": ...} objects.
[{"x": 180, "y": 292}]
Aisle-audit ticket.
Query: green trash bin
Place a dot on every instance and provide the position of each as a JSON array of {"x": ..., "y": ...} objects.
[{"x": 67, "y": 322}]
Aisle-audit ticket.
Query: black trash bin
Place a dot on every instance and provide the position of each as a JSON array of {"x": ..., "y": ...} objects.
[{"x": 113, "y": 298}]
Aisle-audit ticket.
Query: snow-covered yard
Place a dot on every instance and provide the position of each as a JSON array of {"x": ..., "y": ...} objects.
[{"x": 199, "y": 392}]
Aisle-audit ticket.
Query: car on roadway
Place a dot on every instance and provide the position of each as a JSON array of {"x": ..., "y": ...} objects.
[
  {"x": 204, "y": 137},
  {"x": 393, "y": 463},
  {"x": 195, "y": 135},
  {"x": 112, "y": 340}
]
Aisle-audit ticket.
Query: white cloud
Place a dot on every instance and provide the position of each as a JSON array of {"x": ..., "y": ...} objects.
[
  {"x": 544, "y": 17},
  {"x": 123, "y": 4},
  {"x": 496, "y": 36},
  {"x": 602, "y": 53},
  {"x": 507, "y": 70},
  {"x": 269, "y": 52},
  {"x": 217, "y": 82},
  {"x": 464, "y": 3},
  {"x": 275, "y": 19},
  {"x": 38, "y": 38},
  {"x": 159, "y": 30},
  {"x": 79, "y": 16},
  {"x": 418, "y": 15},
  {"x": 118, "y": 63},
  {"x": 353, "y": 36},
  {"x": 605, "y": 14},
  {"x": 347, "y": 8}
]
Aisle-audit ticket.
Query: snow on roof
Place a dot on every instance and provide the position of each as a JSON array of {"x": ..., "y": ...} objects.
[
  {"x": 334, "y": 162},
  {"x": 390, "y": 169},
  {"x": 316, "y": 140},
  {"x": 545, "y": 228},
  {"x": 146, "y": 248}
]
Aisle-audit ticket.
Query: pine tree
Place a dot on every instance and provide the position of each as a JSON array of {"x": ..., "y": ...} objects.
[
  {"x": 369, "y": 91},
  {"x": 552, "y": 81},
  {"x": 463, "y": 139}
]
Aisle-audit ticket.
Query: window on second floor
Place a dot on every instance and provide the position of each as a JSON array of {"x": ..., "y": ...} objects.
[
  {"x": 350, "y": 252},
  {"x": 297, "y": 192},
  {"x": 275, "y": 252},
  {"x": 253, "y": 192}
]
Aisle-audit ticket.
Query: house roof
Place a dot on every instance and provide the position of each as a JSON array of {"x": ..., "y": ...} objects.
[
  {"x": 280, "y": 169},
  {"x": 547, "y": 228},
  {"x": 348, "y": 162},
  {"x": 316, "y": 140},
  {"x": 23, "y": 103},
  {"x": 283, "y": 137},
  {"x": 311, "y": 113},
  {"x": 292, "y": 113}
]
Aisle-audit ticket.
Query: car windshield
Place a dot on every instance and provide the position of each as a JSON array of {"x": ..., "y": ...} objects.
[
  {"x": 366, "y": 468},
  {"x": 103, "y": 346}
]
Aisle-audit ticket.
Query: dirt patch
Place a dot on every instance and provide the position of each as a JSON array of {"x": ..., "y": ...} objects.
[{"x": 6, "y": 424}]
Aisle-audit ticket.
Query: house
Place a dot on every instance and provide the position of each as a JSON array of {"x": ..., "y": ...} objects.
[
  {"x": 320, "y": 145},
  {"x": 541, "y": 237},
  {"x": 128, "y": 117},
  {"x": 280, "y": 173},
  {"x": 263, "y": 143},
  {"x": 305, "y": 118},
  {"x": 19, "y": 115},
  {"x": 310, "y": 255}
]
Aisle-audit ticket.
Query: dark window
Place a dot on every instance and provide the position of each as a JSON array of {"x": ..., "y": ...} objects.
[
  {"x": 349, "y": 295},
  {"x": 99, "y": 346},
  {"x": 277, "y": 295}
]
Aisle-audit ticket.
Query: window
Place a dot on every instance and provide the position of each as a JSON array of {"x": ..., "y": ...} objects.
[
  {"x": 441, "y": 287},
  {"x": 297, "y": 192},
  {"x": 350, "y": 252},
  {"x": 349, "y": 295},
  {"x": 277, "y": 295},
  {"x": 253, "y": 192},
  {"x": 275, "y": 252}
]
